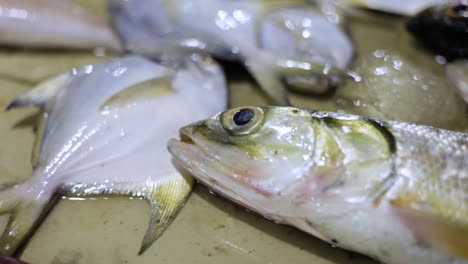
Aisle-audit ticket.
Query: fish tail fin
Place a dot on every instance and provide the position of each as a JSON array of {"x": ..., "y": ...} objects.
[
  {"x": 24, "y": 218},
  {"x": 41, "y": 93},
  {"x": 26, "y": 209},
  {"x": 8, "y": 200},
  {"x": 166, "y": 200},
  {"x": 265, "y": 73}
]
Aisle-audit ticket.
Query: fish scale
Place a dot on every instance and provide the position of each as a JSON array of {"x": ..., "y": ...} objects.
[{"x": 435, "y": 160}]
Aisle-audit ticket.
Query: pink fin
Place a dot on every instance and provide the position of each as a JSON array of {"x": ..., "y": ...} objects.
[{"x": 434, "y": 230}]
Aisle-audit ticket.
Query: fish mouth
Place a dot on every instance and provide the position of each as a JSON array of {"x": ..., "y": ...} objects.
[
  {"x": 220, "y": 178},
  {"x": 188, "y": 155}
]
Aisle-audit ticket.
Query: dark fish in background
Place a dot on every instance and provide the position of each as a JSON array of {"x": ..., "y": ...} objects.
[{"x": 443, "y": 29}]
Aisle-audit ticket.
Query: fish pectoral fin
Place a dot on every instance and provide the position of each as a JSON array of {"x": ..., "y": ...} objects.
[
  {"x": 145, "y": 90},
  {"x": 41, "y": 93},
  {"x": 434, "y": 230},
  {"x": 24, "y": 219},
  {"x": 166, "y": 200},
  {"x": 269, "y": 81}
]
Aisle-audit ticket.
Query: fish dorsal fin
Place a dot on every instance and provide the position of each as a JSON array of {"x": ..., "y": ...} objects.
[
  {"x": 38, "y": 96},
  {"x": 141, "y": 91},
  {"x": 432, "y": 229},
  {"x": 41, "y": 93}
]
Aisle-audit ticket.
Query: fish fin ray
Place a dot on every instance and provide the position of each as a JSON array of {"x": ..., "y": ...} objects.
[
  {"x": 433, "y": 229},
  {"x": 41, "y": 93},
  {"x": 143, "y": 90},
  {"x": 166, "y": 200}
]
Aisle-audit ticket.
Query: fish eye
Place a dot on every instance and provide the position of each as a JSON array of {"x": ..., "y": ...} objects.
[
  {"x": 243, "y": 116},
  {"x": 460, "y": 10},
  {"x": 242, "y": 121}
]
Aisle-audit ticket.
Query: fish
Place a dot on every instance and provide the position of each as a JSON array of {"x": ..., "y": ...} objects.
[
  {"x": 391, "y": 190},
  {"x": 103, "y": 130},
  {"x": 443, "y": 29},
  {"x": 398, "y": 7},
  {"x": 457, "y": 72},
  {"x": 53, "y": 24},
  {"x": 396, "y": 87},
  {"x": 283, "y": 44}
]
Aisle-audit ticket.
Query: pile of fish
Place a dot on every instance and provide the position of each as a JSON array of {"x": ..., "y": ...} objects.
[
  {"x": 277, "y": 42},
  {"x": 392, "y": 190}
]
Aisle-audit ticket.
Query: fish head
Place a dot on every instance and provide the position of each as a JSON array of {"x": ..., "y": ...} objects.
[
  {"x": 274, "y": 160},
  {"x": 249, "y": 154}
]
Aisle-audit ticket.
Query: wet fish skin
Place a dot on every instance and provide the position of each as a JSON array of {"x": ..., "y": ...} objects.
[
  {"x": 391, "y": 190},
  {"x": 53, "y": 24},
  {"x": 103, "y": 131},
  {"x": 279, "y": 42}
]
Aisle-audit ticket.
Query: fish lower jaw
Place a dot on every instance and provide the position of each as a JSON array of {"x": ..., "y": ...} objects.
[{"x": 216, "y": 177}]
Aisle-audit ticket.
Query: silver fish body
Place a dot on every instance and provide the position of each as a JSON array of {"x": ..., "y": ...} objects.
[
  {"x": 275, "y": 40},
  {"x": 53, "y": 24},
  {"x": 391, "y": 190},
  {"x": 103, "y": 130}
]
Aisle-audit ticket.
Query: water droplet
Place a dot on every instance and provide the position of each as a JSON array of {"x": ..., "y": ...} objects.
[
  {"x": 440, "y": 59},
  {"x": 379, "y": 53}
]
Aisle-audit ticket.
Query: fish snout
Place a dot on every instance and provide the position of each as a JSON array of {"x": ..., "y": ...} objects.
[{"x": 186, "y": 134}]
